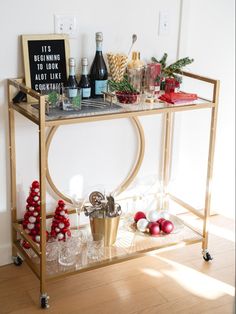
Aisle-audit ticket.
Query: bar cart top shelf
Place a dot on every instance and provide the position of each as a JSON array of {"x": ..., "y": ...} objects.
[{"x": 107, "y": 111}]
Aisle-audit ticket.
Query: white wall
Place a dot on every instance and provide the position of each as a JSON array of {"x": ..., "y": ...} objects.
[
  {"x": 208, "y": 36},
  {"x": 118, "y": 21}
]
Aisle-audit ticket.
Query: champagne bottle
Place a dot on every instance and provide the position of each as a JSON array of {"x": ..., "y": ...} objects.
[
  {"x": 71, "y": 84},
  {"x": 98, "y": 71},
  {"x": 84, "y": 82}
]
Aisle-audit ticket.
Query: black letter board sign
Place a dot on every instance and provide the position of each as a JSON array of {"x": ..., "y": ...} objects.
[{"x": 45, "y": 61}]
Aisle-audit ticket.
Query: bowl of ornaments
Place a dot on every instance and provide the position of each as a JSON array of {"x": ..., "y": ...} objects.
[{"x": 156, "y": 223}]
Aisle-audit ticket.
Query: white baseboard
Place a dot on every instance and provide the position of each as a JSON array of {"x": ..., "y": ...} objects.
[{"x": 5, "y": 254}]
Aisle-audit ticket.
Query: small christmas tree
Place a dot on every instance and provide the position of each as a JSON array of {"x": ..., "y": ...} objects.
[
  {"x": 60, "y": 224},
  {"x": 31, "y": 222}
]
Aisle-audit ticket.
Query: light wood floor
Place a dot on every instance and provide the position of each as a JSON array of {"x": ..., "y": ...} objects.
[{"x": 172, "y": 281}]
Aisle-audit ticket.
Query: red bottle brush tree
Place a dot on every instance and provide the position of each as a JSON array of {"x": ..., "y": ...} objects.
[
  {"x": 60, "y": 228},
  {"x": 31, "y": 221}
]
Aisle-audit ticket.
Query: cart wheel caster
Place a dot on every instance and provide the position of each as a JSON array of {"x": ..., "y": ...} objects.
[
  {"x": 44, "y": 301},
  {"x": 17, "y": 260},
  {"x": 207, "y": 256}
]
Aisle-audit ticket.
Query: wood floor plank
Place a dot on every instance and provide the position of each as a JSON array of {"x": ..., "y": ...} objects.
[
  {"x": 226, "y": 309},
  {"x": 190, "y": 305}
]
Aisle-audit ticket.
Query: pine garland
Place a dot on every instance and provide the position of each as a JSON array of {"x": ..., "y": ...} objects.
[
  {"x": 172, "y": 69},
  {"x": 123, "y": 86}
]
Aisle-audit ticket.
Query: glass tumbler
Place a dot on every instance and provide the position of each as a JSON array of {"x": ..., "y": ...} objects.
[
  {"x": 71, "y": 98},
  {"x": 52, "y": 250},
  {"x": 52, "y": 97},
  {"x": 95, "y": 247},
  {"x": 67, "y": 252},
  {"x": 135, "y": 78},
  {"x": 76, "y": 238}
]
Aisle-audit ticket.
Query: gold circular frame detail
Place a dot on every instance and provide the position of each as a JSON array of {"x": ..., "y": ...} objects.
[{"x": 130, "y": 177}]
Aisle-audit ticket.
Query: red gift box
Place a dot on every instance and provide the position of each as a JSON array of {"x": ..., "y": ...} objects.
[{"x": 173, "y": 98}]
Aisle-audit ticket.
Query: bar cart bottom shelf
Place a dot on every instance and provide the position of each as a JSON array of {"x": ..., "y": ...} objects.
[{"x": 130, "y": 244}]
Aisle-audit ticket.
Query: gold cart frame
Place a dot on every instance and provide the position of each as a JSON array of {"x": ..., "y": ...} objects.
[{"x": 40, "y": 119}]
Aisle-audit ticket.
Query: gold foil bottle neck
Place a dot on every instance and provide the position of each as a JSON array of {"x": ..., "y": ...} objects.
[
  {"x": 135, "y": 63},
  {"x": 135, "y": 55}
]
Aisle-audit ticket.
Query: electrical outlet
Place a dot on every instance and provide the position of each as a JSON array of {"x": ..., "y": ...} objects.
[
  {"x": 164, "y": 26},
  {"x": 66, "y": 24}
]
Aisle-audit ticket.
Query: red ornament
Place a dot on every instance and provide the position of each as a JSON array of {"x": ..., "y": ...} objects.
[
  {"x": 167, "y": 226},
  {"x": 26, "y": 215},
  {"x": 35, "y": 184},
  {"x": 53, "y": 233},
  {"x": 160, "y": 220},
  {"x": 26, "y": 245},
  {"x": 64, "y": 230},
  {"x": 29, "y": 200},
  {"x": 154, "y": 228},
  {"x": 138, "y": 216},
  {"x": 33, "y": 232},
  {"x": 61, "y": 203}
]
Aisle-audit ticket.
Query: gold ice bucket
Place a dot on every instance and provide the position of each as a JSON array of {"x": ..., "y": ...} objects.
[{"x": 107, "y": 226}]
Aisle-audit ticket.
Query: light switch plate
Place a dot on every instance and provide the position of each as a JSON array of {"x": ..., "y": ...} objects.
[
  {"x": 164, "y": 22},
  {"x": 66, "y": 24}
]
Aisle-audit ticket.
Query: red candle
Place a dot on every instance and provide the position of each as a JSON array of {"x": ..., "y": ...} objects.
[
  {"x": 170, "y": 84},
  {"x": 153, "y": 72}
]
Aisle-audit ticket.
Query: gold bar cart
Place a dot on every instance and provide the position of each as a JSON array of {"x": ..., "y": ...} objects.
[{"x": 118, "y": 253}]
